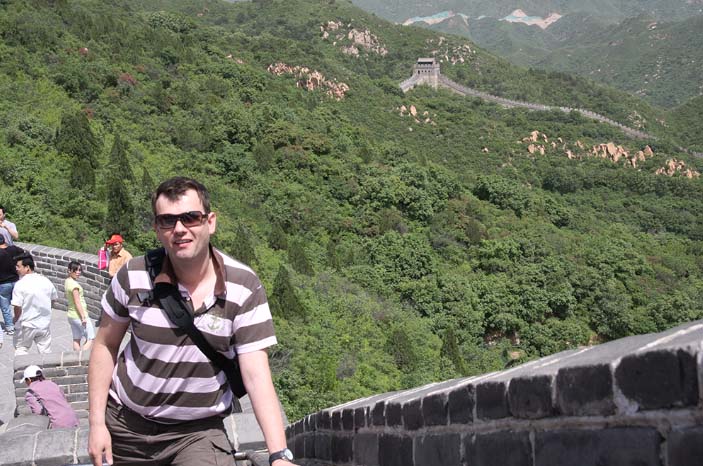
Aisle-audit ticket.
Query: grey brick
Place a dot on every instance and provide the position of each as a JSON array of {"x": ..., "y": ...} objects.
[
  {"x": 77, "y": 388},
  {"x": 685, "y": 447},
  {"x": 461, "y": 405},
  {"x": 323, "y": 446},
  {"x": 366, "y": 449},
  {"x": 337, "y": 420},
  {"x": 70, "y": 380},
  {"x": 323, "y": 420},
  {"x": 531, "y": 398},
  {"x": 491, "y": 400},
  {"x": 82, "y": 450},
  {"x": 412, "y": 415},
  {"x": 394, "y": 450},
  {"x": 434, "y": 410},
  {"x": 377, "y": 414},
  {"x": 360, "y": 417},
  {"x": 298, "y": 446},
  {"x": 394, "y": 414},
  {"x": 659, "y": 379},
  {"x": 585, "y": 391},
  {"x": 53, "y": 372},
  {"x": 624, "y": 446},
  {"x": 55, "y": 446},
  {"x": 348, "y": 419},
  {"x": 298, "y": 428},
  {"x": 342, "y": 451},
  {"x": 438, "y": 450},
  {"x": 77, "y": 370},
  {"x": 17, "y": 448},
  {"x": 71, "y": 358},
  {"x": 309, "y": 445},
  {"x": 504, "y": 448}
]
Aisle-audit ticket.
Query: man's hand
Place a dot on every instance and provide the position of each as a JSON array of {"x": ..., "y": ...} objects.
[{"x": 99, "y": 443}]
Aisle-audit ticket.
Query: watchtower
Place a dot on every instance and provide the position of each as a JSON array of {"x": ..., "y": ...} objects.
[{"x": 427, "y": 70}]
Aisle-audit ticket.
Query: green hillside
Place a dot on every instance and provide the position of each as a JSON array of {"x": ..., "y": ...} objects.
[
  {"x": 396, "y": 249},
  {"x": 661, "y": 62}
]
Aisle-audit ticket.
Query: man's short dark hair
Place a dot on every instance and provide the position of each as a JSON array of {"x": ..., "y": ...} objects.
[
  {"x": 2, "y": 207},
  {"x": 176, "y": 187},
  {"x": 27, "y": 260}
]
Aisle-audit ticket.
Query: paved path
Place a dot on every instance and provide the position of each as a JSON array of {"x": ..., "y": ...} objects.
[{"x": 60, "y": 341}]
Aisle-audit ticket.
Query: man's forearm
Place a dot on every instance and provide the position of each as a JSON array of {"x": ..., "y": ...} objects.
[
  {"x": 13, "y": 233},
  {"x": 102, "y": 363},
  {"x": 264, "y": 401},
  {"x": 18, "y": 313}
]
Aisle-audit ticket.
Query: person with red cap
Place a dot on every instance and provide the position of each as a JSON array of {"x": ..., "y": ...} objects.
[{"x": 118, "y": 255}]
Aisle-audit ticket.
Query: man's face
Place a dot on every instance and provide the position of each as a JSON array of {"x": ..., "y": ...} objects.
[
  {"x": 185, "y": 244},
  {"x": 22, "y": 270},
  {"x": 2, "y": 215},
  {"x": 116, "y": 248}
]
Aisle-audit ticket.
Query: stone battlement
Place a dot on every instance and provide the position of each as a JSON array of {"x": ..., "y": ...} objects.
[{"x": 631, "y": 401}]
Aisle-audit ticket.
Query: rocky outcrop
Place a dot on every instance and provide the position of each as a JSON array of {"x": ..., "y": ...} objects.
[
  {"x": 311, "y": 79},
  {"x": 352, "y": 41},
  {"x": 446, "y": 52},
  {"x": 538, "y": 143},
  {"x": 677, "y": 167},
  {"x": 419, "y": 118}
]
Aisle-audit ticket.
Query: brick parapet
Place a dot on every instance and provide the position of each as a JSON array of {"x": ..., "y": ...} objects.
[
  {"x": 631, "y": 401},
  {"x": 68, "y": 369},
  {"x": 53, "y": 264}
]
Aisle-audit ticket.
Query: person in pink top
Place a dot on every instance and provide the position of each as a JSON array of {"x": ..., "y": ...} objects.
[{"x": 46, "y": 398}]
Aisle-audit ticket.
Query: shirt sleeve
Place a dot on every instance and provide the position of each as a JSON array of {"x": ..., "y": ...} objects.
[
  {"x": 33, "y": 403},
  {"x": 17, "y": 295},
  {"x": 253, "y": 327}
]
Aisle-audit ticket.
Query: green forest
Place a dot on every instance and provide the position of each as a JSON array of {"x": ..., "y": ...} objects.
[{"x": 396, "y": 249}]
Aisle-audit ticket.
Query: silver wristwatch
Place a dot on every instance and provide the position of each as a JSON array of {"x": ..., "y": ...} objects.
[{"x": 284, "y": 454}]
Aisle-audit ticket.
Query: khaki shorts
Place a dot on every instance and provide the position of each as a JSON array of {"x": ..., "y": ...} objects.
[{"x": 139, "y": 441}]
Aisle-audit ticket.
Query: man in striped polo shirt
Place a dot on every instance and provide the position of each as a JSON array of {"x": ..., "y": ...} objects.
[{"x": 161, "y": 401}]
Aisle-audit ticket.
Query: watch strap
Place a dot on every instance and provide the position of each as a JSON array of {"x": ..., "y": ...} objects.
[{"x": 284, "y": 454}]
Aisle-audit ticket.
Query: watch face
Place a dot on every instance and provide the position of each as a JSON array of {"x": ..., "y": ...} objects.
[{"x": 288, "y": 454}]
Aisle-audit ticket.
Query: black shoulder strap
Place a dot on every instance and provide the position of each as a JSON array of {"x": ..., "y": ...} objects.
[
  {"x": 172, "y": 303},
  {"x": 39, "y": 400}
]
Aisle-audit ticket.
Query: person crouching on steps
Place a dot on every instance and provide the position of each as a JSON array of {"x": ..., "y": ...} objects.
[
  {"x": 78, "y": 318},
  {"x": 46, "y": 398}
]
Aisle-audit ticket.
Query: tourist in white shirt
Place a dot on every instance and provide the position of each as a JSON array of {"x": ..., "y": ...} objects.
[{"x": 32, "y": 299}]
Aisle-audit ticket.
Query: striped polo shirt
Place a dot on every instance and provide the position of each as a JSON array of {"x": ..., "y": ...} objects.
[{"x": 161, "y": 374}]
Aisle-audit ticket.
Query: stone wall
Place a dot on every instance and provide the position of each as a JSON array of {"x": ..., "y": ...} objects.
[
  {"x": 69, "y": 370},
  {"x": 53, "y": 264},
  {"x": 634, "y": 401}
]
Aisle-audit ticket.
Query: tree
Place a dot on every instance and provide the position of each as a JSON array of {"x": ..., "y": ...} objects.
[
  {"x": 298, "y": 258},
  {"x": 243, "y": 250},
  {"x": 76, "y": 139},
  {"x": 284, "y": 301},
  {"x": 450, "y": 348},
  {"x": 120, "y": 211},
  {"x": 277, "y": 237}
]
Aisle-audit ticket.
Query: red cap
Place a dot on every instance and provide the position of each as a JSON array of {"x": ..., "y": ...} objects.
[{"x": 114, "y": 239}]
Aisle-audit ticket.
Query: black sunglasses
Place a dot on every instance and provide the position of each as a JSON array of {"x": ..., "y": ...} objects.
[{"x": 193, "y": 218}]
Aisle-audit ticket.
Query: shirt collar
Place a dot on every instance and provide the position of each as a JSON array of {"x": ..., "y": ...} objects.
[{"x": 167, "y": 274}]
